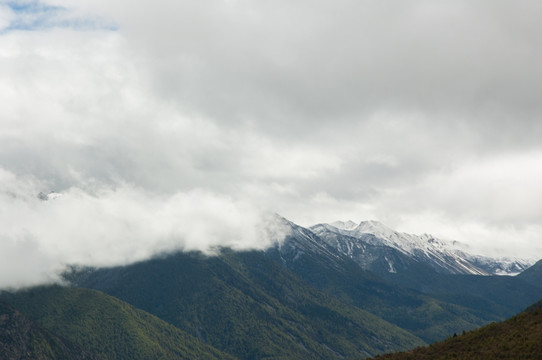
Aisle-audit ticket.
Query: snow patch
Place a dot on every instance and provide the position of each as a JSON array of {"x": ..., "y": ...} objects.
[{"x": 391, "y": 267}]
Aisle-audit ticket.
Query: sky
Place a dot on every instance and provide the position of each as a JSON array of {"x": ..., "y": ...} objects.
[{"x": 169, "y": 125}]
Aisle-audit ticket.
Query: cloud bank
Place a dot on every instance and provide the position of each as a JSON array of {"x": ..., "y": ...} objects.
[
  {"x": 41, "y": 235},
  {"x": 150, "y": 116}
]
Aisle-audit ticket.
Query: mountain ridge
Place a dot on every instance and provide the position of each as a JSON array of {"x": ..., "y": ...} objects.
[
  {"x": 490, "y": 298},
  {"x": 443, "y": 256}
]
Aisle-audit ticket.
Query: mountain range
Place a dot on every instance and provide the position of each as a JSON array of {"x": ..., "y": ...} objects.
[
  {"x": 338, "y": 290},
  {"x": 376, "y": 247}
]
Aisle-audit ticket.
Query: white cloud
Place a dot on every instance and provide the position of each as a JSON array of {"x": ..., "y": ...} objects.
[
  {"x": 317, "y": 110},
  {"x": 6, "y": 17},
  {"x": 490, "y": 189},
  {"x": 491, "y": 239},
  {"x": 114, "y": 226}
]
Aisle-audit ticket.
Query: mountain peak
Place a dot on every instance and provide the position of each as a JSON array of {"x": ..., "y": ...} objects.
[
  {"x": 344, "y": 225},
  {"x": 374, "y": 227},
  {"x": 424, "y": 249}
]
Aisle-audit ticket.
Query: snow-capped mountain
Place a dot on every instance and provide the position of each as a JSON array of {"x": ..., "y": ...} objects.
[
  {"x": 301, "y": 243},
  {"x": 379, "y": 248},
  {"x": 500, "y": 266},
  {"x": 345, "y": 225}
]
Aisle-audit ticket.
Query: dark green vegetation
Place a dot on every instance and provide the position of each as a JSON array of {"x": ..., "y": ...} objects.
[
  {"x": 23, "y": 339},
  {"x": 431, "y": 317},
  {"x": 248, "y": 305},
  {"x": 429, "y": 266},
  {"x": 427, "y": 317},
  {"x": 111, "y": 328},
  {"x": 517, "y": 338},
  {"x": 302, "y": 298}
]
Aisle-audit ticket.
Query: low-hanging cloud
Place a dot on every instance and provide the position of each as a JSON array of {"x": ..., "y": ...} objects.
[{"x": 43, "y": 233}]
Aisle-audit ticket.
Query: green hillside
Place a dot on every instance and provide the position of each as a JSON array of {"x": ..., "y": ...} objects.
[
  {"x": 517, "y": 338},
  {"x": 248, "y": 305},
  {"x": 23, "y": 339},
  {"x": 107, "y": 326},
  {"x": 430, "y": 318}
]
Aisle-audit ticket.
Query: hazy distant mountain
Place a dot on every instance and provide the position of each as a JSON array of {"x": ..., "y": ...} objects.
[
  {"x": 533, "y": 275},
  {"x": 381, "y": 249},
  {"x": 517, "y": 338}
]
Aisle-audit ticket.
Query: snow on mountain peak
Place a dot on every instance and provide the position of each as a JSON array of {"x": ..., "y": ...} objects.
[
  {"x": 450, "y": 256},
  {"x": 382, "y": 235},
  {"x": 344, "y": 225},
  {"x": 376, "y": 228}
]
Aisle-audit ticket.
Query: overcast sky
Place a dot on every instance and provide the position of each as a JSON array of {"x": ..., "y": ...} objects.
[{"x": 175, "y": 124}]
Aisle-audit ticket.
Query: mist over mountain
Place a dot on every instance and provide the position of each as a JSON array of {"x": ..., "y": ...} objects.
[
  {"x": 328, "y": 291},
  {"x": 116, "y": 226},
  {"x": 460, "y": 301},
  {"x": 43, "y": 232}
]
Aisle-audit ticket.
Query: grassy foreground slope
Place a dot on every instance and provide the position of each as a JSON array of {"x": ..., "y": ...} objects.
[
  {"x": 517, "y": 338},
  {"x": 107, "y": 326},
  {"x": 22, "y": 339}
]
